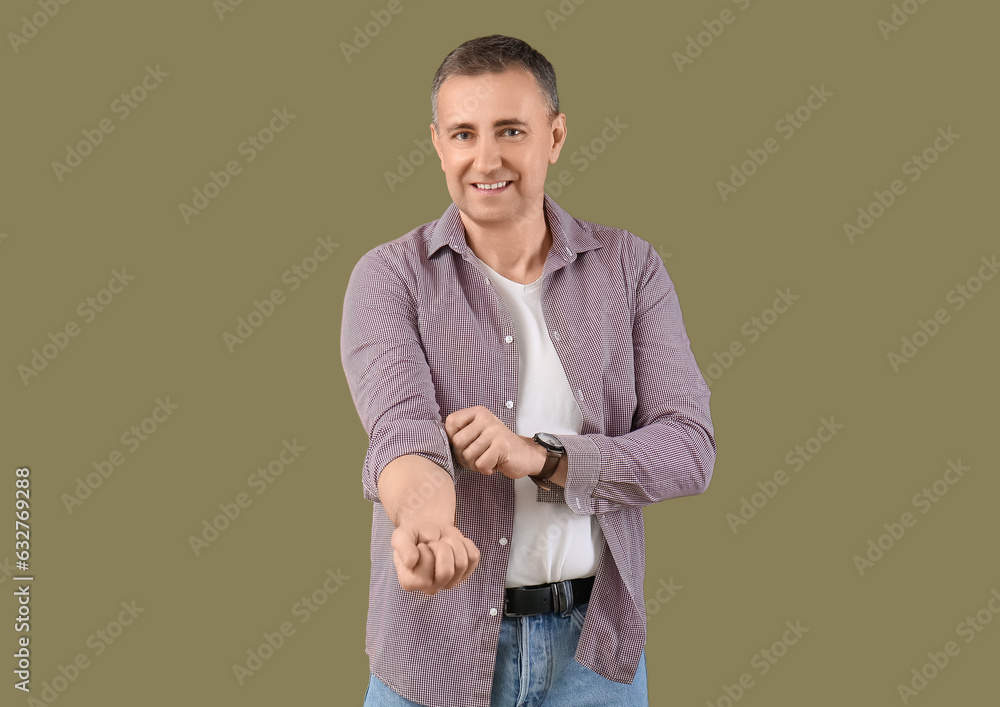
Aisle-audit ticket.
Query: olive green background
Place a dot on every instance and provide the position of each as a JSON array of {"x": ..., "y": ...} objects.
[{"x": 325, "y": 175}]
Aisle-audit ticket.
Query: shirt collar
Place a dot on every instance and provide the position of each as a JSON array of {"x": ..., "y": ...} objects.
[{"x": 568, "y": 236}]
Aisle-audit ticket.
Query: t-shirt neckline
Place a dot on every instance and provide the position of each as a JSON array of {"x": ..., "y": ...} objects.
[{"x": 506, "y": 280}]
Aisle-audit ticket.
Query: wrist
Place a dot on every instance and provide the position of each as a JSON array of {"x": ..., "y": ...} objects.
[
  {"x": 554, "y": 463},
  {"x": 538, "y": 456}
]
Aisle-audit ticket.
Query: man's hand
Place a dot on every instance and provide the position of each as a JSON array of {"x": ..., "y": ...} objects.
[
  {"x": 483, "y": 443},
  {"x": 432, "y": 555}
]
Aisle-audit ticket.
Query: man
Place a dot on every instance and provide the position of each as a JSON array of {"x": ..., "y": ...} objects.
[{"x": 508, "y": 565}]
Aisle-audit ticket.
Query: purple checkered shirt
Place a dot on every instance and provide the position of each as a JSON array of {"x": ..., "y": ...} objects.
[{"x": 425, "y": 334}]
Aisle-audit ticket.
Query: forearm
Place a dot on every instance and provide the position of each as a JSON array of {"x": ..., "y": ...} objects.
[
  {"x": 662, "y": 461},
  {"x": 414, "y": 486}
]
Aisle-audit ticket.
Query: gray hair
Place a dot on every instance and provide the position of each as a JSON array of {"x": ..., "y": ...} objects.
[{"x": 495, "y": 54}]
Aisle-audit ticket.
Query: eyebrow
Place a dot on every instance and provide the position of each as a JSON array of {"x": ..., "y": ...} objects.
[{"x": 499, "y": 123}]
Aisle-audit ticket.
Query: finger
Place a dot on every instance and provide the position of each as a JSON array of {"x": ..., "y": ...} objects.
[
  {"x": 487, "y": 461},
  {"x": 461, "y": 555},
  {"x": 444, "y": 564},
  {"x": 465, "y": 437},
  {"x": 474, "y": 453},
  {"x": 406, "y": 577},
  {"x": 459, "y": 455},
  {"x": 404, "y": 543},
  {"x": 473, "y": 450},
  {"x": 421, "y": 577},
  {"x": 466, "y": 555},
  {"x": 472, "y": 552},
  {"x": 458, "y": 419}
]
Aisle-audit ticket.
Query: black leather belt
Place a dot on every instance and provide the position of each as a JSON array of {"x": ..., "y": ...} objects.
[{"x": 546, "y": 598}]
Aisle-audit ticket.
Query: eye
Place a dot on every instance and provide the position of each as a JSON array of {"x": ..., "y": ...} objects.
[
  {"x": 458, "y": 134},
  {"x": 515, "y": 130}
]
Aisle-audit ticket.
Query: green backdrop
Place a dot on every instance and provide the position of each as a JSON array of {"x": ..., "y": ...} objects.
[{"x": 172, "y": 170}]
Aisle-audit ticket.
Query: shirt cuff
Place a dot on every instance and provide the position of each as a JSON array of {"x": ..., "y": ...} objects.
[{"x": 583, "y": 469}]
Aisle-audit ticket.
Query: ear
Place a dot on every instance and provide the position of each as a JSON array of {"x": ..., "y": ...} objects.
[
  {"x": 437, "y": 147},
  {"x": 558, "y": 135}
]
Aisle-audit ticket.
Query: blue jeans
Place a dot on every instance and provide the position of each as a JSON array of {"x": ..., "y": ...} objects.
[{"x": 535, "y": 668}]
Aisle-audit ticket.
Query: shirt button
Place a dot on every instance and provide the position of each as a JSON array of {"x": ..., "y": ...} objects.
[
  {"x": 555, "y": 335},
  {"x": 510, "y": 403},
  {"x": 508, "y": 338},
  {"x": 503, "y": 541},
  {"x": 569, "y": 252},
  {"x": 493, "y": 612}
]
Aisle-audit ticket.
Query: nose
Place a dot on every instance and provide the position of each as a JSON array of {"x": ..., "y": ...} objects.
[{"x": 488, "y": 158}]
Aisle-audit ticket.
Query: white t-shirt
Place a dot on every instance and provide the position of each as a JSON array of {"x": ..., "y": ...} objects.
[{"x": 549, "y": 542}]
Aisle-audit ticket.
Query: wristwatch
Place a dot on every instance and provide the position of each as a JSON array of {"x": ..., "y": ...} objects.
[{"x": 555, "y": 452}]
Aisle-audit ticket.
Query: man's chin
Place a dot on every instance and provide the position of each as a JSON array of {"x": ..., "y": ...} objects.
[{"x": 484, "y": 214}]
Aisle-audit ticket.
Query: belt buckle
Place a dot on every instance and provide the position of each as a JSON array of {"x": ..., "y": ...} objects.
[
  {"x": 562, "y": 597},
  {"x": 506, "y": 603}
]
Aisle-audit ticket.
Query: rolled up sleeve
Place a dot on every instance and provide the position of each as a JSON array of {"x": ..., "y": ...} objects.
[
  {"x": 387, "y": 372},
  {"x": 671, "y": 449}
]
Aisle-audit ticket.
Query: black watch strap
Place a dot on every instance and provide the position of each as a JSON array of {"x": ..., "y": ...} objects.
[{"x": 551, "y": 464}]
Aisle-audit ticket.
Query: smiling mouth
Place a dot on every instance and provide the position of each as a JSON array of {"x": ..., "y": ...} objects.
[{"x": 491, "y": 187}]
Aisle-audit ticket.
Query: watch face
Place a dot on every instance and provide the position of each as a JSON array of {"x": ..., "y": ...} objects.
[{"x": 549, "y": 440}]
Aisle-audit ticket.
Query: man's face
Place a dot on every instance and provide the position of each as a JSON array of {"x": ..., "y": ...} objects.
[{"x": 495, "y": 128}]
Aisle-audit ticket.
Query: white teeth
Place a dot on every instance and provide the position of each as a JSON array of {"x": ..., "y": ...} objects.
[{"x": 492, "y": 186}]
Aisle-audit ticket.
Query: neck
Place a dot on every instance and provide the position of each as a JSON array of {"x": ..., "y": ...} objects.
[{"x": 515, "y": 250}]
